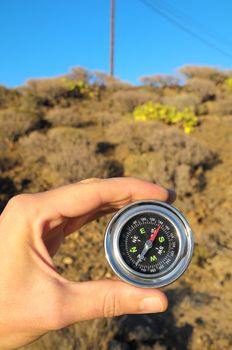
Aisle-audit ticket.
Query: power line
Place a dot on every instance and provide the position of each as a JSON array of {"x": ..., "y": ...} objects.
[
  {"x": 184, "y": 28},
  {"x": 187, "y": 18}
]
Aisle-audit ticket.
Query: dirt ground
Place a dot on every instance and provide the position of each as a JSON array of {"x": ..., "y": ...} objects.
[{"x": 198, "y": 166}]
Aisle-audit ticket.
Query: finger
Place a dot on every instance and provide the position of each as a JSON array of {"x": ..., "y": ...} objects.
[
  {"x": 75, "y": 223},
  {"x": 94, "y": 299},
  {"x": 82, "y": 198}
]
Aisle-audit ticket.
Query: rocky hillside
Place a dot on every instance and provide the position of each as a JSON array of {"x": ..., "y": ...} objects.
[{"x": 177, "y": 133}]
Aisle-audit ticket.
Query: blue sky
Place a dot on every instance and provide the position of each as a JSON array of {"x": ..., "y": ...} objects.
[{"x": 46, "y": 38}]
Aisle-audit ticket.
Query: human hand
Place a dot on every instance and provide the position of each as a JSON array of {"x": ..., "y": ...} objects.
[{"x": 34, "y": 298}]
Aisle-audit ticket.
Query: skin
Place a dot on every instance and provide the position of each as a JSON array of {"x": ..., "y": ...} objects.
[{"x": 34, "y": 298}]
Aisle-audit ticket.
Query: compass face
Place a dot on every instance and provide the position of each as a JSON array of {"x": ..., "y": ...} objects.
[{"x": 149, "y": 243}]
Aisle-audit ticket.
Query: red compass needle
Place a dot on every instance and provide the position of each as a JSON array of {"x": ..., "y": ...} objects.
[{"x": 154, "y": 234}]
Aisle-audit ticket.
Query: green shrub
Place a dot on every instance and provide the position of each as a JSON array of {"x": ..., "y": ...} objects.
[
  {"x": 95, "y": 79},
  {"x": 14, "y": 123},
  {"x": 63, "y": 155},
  {"x": 169, "y": 114},
  {"x": 78, "y": 87},
  {"x": 161, "y": 154},
  {"x": 81, "y": 74},
  {"x": 203, "y": 88},
  {"x": 8, "y": 97},
  {"x": 127, "y": 101},
  {"x": 49, "y": 92},
  {"x": 160, "y": 80},
  {"x": 71, "y": 116},
  {"x": 222, "y": 106},
  {"x": 203, "y": 72},
  {"x": 104, "y": 80},
  {"x": 181, "y": 102}
]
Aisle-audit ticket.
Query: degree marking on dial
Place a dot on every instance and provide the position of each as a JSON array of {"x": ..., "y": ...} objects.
[{"x": 132, "y": 238}]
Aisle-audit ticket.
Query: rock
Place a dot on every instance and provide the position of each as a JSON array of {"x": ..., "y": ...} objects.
[{"x": 68, "y": 260}]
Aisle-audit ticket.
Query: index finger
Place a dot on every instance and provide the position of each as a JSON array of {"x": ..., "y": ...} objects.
[{"x": 84, "y": 197}]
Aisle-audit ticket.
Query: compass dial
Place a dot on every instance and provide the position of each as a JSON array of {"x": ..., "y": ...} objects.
[{"x": 149, "y": 243}]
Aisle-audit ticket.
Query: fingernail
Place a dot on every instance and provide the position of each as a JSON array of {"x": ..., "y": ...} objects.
[
  {"x": 171, "y": 195},
  {"x": 151, "y": 305}
]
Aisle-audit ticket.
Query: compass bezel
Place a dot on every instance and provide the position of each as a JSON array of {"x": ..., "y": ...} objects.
[{"x": 183, "y": 231}]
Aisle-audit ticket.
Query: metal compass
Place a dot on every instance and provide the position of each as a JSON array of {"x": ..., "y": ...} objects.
[{"x": 149, "y": 243}]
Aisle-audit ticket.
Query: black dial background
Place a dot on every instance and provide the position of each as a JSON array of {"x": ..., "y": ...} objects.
[{"x": 164, "y": 249}]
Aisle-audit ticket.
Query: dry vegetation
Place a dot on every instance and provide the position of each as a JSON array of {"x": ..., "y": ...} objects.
[{"x": 61, "y": 130}]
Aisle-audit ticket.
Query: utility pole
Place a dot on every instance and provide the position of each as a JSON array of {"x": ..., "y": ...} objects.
[{"x": 112, "y": 16}]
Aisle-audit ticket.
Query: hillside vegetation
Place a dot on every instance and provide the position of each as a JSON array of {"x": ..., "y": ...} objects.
[{"x": 174, "y": 132}]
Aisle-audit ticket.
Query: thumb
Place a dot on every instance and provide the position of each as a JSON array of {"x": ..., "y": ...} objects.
[{"x": 94, "y": 299}]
